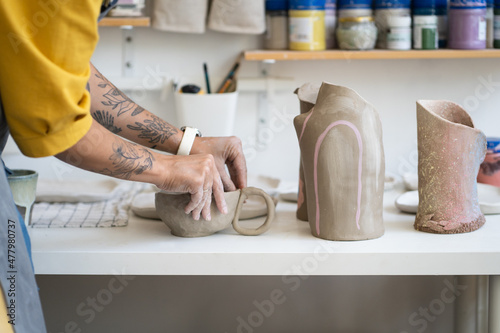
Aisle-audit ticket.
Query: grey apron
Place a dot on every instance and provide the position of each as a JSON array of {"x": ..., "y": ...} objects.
[{"x": 16, "y": 273}]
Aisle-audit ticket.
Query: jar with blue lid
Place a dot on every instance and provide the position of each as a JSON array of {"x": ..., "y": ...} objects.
[
  {"x": 306, "y": 25},
  {"x": 467, "y": 24},
  {"x": 276, "y": 37},
  {"x": 384, "y": 9},
  {"x": 330, "y": 23},
  {"x": 355, "y": 8},
  {"x": 496, "y": 25},
  {"x": 425, "y": 25},
  {"x": 442, "y": 14},
  {"x": 490, "y": 21}
]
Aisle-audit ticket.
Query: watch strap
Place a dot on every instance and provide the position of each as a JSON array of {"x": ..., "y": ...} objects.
[{"x": 187, "y": 140}]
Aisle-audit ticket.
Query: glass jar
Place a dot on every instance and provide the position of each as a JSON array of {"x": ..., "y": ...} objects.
[
  {"x": 306, "y": 25},
  {"x": 357, "y": 33}
]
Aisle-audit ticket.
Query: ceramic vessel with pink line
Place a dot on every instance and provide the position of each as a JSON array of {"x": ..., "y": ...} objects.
[{"x": 342, "y": 157}]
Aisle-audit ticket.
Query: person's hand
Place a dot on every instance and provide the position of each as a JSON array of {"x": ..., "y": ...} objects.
[
  {"x": 226, "y": 151},
  {"x": 198, "y": 176}
]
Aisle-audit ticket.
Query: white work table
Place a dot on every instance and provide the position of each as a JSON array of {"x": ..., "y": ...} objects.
[{"x": 146, "y": 247}]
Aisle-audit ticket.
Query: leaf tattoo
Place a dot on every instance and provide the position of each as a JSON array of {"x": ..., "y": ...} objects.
[
  {"x": 155, "y": 130},
  {"x": 129, "y": 159},
  {"x": 106, "y": 120},
  {"x": 116, "y": 99}
]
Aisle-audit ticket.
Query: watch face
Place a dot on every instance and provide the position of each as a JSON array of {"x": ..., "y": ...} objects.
[{"x": 197, "y": 131}]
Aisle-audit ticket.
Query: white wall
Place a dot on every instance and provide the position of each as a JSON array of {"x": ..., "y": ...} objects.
[{"x": 392, "y": 86}]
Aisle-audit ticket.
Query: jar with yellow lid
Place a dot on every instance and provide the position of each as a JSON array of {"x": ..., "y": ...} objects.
[
  {"x": 306, "y": 25},
  {"x": 357, "y": 33}
]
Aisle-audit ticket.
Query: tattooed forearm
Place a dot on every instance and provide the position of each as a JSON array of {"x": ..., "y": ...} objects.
[
  {"x": 137, "y": 110},
  {"x": 106, "y": 120},
  {"x": 155, "y": 130},
  {"x": 116, "y": 99},
  {"x": 129, "y": 159}
]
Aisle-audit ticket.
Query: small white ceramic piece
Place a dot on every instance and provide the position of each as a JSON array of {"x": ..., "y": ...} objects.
[
  {"x": 410, "y": 179},
  {"x": 291, "y": 196},
  {"x": 489, "y": 200},
  {"x": 76, "y": 191},
  {"x": 407, "y": 202}
]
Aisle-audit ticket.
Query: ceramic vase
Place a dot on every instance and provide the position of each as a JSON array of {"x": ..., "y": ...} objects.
[
  {"x": 340, "y": 140},
  {"x": 450, "y": 150},
  {"x": 307, "y": 94}
]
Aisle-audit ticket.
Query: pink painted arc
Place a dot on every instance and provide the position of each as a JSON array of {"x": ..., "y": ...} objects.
[
  {"x": 360, "y": 164},
  {"x": 305, "y": 123}
]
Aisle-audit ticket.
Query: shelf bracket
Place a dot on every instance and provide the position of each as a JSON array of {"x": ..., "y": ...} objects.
[
  {"x": 128, "y": 35},
  {"x": 263, "y": 104}
]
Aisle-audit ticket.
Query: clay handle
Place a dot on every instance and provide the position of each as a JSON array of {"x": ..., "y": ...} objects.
[{"x": 245, "y": 193}]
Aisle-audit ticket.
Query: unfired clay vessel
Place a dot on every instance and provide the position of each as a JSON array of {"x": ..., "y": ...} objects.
[
  {"x": 307, "y": 94},
  {"x": 170, "y": 208},
  {"x": 450, "y": 151},
  {"x": 343, "y": 159}
]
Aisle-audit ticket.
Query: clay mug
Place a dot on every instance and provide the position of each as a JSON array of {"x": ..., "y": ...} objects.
[
  {"x": 23, "y": 187},
  {"x": 170, "y": 208}
]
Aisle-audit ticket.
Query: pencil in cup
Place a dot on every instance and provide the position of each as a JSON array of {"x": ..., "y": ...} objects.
[{"x": 229, "y": 80}]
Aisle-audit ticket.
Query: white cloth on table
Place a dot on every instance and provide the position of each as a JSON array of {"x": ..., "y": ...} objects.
[{"x": 113, "y": 212}]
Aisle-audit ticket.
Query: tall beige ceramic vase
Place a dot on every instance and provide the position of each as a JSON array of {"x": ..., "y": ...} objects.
[
  {"x": 450, "y": 151},
  {"x": 307, "y": 94},
  {"x": 340, "y": 140}
]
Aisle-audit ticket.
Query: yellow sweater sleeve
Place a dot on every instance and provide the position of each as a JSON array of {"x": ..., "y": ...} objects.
[{"x": 45, "y": 51}]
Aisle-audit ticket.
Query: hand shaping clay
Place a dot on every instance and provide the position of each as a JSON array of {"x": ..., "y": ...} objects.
[
  {"x": 450, "y": 151},
  {"x": 343, "y": 161},
  {"x": 170, "y": 208},
  {"x": 307, "y": 94}
]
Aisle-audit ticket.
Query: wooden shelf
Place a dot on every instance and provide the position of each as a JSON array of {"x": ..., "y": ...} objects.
[
  {"x": 142, "y": 21},
  {"x": 256, "y": 55}
]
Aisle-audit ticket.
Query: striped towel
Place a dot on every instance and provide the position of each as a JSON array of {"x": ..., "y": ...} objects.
[{"x": 113, "y": 212}]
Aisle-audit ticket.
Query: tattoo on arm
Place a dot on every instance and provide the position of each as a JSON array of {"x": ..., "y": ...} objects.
[
  {"x": 155, "y": 130},
  {"x": 117, "y": 99},
  {"x": 106, "y": 120},
  {"x": 129, "y": 159}
]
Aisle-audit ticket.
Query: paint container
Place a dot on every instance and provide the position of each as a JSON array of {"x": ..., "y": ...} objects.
[
  {"x": 330, "y": 23},
  {"x": 496, "y": 26},
  {"x": 355, "y": 8},
  {"x": 425, "y": 32},
  {"x": 357, "y": 33},
  {"x": 490, "y": 20},
  {"x": 384, "y": 9},
  {"x": 467, "y": 24},
  {"x": 306, "y": 25},
  {"x": 438, "y": 8},
  {"x": 442, "y": 14},
  {"x": 399, "y": 33},
  {"x": 489, "y": 171},
  {"x": 425, "y": 25},
  {"x": 277, "y": 25}
]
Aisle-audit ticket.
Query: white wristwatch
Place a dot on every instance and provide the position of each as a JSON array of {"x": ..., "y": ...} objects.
[{"x": 187, "y": 139}]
